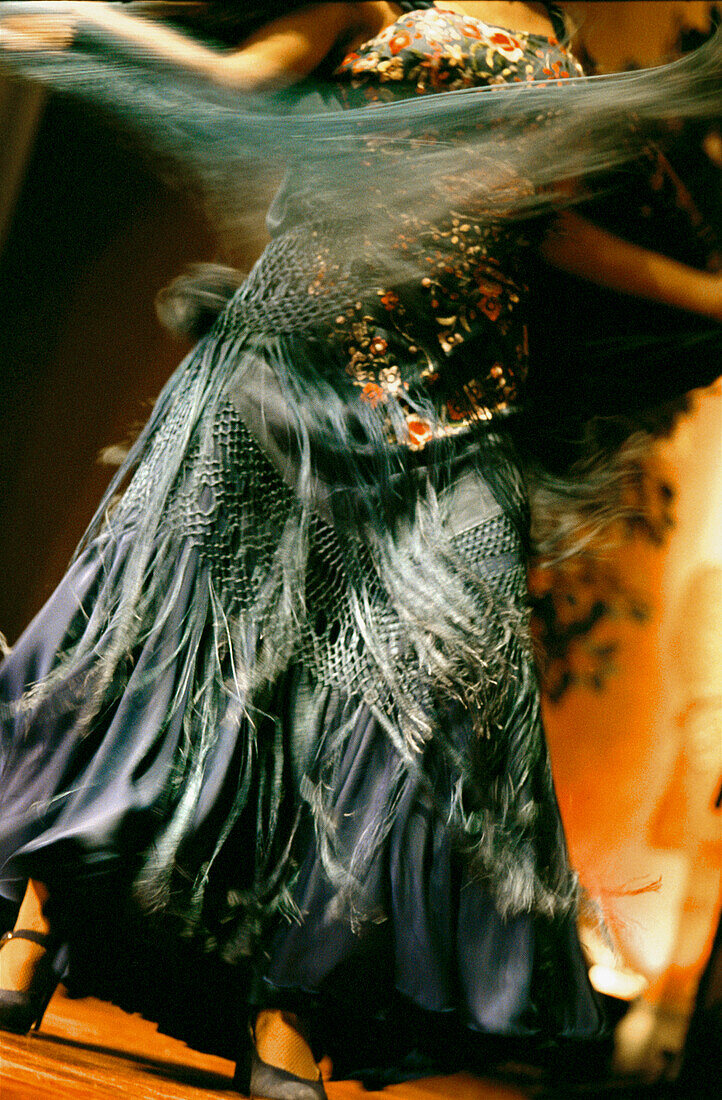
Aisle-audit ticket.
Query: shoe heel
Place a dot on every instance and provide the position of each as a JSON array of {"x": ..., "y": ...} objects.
[
  {"x": 242, "y": 1075},
  {"x": 42, "y": 1006}
]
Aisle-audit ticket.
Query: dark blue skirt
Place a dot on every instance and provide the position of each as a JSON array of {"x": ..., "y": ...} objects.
[
  {"x": 210, "y": 847},
  {"x": 79, "y": 812}
]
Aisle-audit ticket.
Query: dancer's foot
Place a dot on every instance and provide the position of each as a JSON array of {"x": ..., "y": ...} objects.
[
  {"x": 28, "y": 964},
  {"x": 282, "y": 1065},
  {"x": 281, "y": 1043}
]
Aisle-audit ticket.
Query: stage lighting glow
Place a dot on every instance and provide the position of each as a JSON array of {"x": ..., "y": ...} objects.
[{"x": 626, "y": 985}]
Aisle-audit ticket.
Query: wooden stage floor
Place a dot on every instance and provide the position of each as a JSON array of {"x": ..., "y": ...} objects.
[{"x": 87, "y": 1049}]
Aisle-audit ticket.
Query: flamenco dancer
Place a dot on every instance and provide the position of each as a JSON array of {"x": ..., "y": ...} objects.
[{"x": 282, "y": 710}]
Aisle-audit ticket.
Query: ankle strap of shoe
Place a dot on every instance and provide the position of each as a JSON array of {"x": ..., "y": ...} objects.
[{"x": 42, "y": 939}]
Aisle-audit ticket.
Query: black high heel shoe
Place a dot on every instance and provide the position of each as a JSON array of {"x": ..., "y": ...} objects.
[
  {"x": 23, "y": 1011},
  {"x": 257, "y": 1079}
]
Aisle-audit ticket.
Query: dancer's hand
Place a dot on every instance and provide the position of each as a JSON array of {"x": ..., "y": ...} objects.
[
  {"x": 710, "y": 304},
  {"x": 716, "y": 296},
  {"x": 41, "y": 26},
  {"x": 583, "y": 249},
  {"x": 33, "y": 33},
  {"x": 282, "y": 52}
]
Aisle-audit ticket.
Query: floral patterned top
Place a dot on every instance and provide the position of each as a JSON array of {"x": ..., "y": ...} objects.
[
  {"x": 438, "y": 49},
  {"x": 451, "y": 349}
]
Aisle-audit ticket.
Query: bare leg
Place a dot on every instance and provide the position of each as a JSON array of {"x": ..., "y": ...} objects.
[
  {"x": 280, "y": 1043},
  {"x": 19, "y": 958}
]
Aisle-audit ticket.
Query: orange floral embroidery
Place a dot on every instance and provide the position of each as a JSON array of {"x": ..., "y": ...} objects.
[
  {"x": 491, "y": 307},
  {"x": 399, "y": 42},
  {"x": 455, "y": 411},
  {"x": 372, "y": 394},
  {"x": 419, "y": 431}
]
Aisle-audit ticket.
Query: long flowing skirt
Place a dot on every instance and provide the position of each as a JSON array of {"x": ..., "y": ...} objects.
[{"x": 302, "y": 813}]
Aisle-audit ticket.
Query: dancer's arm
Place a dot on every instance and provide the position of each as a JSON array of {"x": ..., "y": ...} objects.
[
  {"x": 581, "y": 248},
  {"x": 281, "y": 52}
]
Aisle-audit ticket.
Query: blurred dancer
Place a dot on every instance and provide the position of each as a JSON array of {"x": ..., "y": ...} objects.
[{"x": 283, "y": 704}]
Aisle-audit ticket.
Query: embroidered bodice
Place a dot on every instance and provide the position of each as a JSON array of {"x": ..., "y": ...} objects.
[
  {"x": 437, "y": 49},
  {"x": 455, "y": 337}
]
